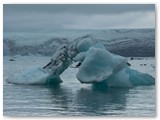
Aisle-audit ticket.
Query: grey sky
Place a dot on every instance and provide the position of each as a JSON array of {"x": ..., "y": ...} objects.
[{"x": 52, "y": 16}]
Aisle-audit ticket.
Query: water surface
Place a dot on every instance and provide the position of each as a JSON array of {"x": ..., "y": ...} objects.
[{"x": 41, "y": 100}]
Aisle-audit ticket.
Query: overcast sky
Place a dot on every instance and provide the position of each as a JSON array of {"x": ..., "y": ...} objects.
[{"x": 36, "y": 17}]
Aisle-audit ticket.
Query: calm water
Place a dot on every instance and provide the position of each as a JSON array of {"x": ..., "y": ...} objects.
[{"x": 71, "y": 99}]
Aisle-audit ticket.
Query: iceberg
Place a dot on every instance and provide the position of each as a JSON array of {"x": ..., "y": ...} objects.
[
  {"x": 35, "y": 76},
  {"x": 101, "y": 66},
  {"x": 49, "y": 74}
]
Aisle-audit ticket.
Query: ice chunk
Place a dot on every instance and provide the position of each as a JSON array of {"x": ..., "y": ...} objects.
[
  {"x": 35, "y": 76},
  {"x": 101, "y": 66},
  {"x": 80, "y": 57},
  {"x": 59, "y": 62},
  {"x": 84, "y": 45},
  {"x": 138, "y": 78},
  {"x": 129, "y": 78}
]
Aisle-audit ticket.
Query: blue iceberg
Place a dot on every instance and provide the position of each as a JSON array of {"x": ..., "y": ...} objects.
[
  {"x": 101, "y": 66},
  {"x": 35, "y": 76}
]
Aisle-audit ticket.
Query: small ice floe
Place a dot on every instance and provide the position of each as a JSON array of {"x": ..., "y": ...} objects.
[{"x": 11, "y": 59}]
